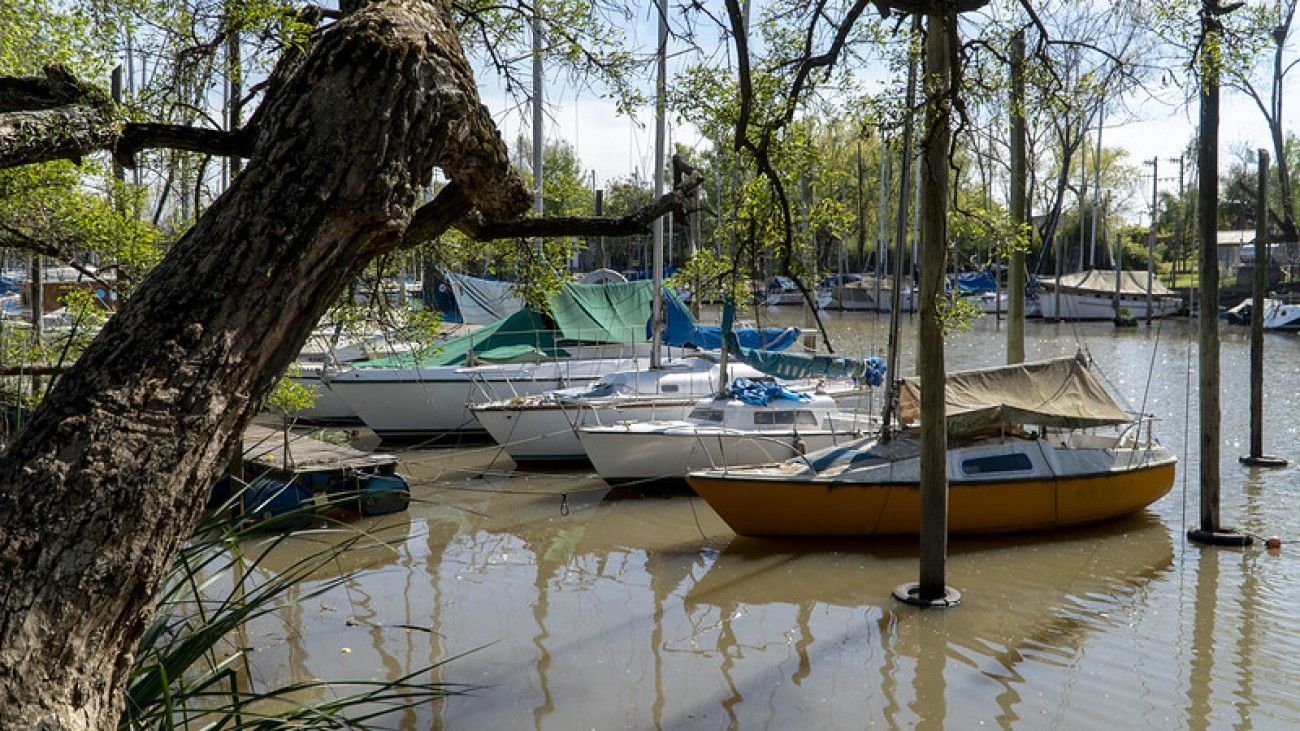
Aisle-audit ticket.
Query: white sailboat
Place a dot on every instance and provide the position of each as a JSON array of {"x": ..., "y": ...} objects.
[
  {"x": 1090, "y": 295},
  {"x": 404, "y": 402},
  {"x": 861, "y": 295},
  {"x": 543, "y": 428},
  {"x": 719, "y": 431}
]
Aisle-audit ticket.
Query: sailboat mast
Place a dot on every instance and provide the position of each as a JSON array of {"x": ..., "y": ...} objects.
[
  {"x": 661, "y": 83},
  {"x": 896, "y": 290},
  {"x": 882, "y": 220}
]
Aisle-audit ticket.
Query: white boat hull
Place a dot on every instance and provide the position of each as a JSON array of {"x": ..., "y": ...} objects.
[
  {"x": 329, "y": 407},
  {"x": 1079, "y": 306},
  {"x": 548, "y": 433},
  {"x": 1282, "y": 317},
  {"x": 625, "y": 454},
  {"x": 867, "y": 302},
  {"x": 775, "y": 299},
  {"x": 406, "y": 403}
]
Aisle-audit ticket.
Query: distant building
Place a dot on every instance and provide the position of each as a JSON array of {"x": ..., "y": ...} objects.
[
  {"x": 1237, "y": 255},
  {"x": 58, "y": 281},
  {"x": 1229, "y": 247}
]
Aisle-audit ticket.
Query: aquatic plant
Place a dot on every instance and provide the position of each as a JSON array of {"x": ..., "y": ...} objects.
[{"x": 191, "y": 670}]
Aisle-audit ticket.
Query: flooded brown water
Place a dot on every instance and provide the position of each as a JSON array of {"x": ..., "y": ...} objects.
[{"x": 567, "y": 605}]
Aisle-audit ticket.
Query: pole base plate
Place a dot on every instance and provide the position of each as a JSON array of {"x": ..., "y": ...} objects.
[
  {"x": 1263, "y": 460},
  {"x": 910, "y": 594},
  {"x": 1221, "y": 537}
]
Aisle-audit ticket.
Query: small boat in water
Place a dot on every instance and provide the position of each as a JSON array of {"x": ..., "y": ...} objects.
[
  {"x": 542, "y": 428},
  {"x": 783, "y": 291},
  {"x": 591, "y": 330},
  {"x": 860, "y": 295},
  {"x": 727, "y": 430},
  {"x": 1091, "y": 295},
  {"x": 1024, "y": 456},
  {"x": 1280, "y": 315}
]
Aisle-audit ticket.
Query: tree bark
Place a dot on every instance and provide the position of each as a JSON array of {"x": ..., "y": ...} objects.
[{"x": 113, "y": 469}]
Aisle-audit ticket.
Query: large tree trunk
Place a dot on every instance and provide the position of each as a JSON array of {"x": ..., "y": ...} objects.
[{"x": 112, "y": 471}]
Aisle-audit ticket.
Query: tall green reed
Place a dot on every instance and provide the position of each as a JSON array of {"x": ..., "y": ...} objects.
[{"x": 190, "y": 670}]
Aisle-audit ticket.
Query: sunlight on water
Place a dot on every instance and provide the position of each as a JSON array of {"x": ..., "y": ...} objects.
[{"x": 639, "y": 612}]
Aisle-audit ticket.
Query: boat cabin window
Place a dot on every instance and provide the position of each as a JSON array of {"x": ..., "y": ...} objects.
[
  {"x": 670, "y": 388},
  {"x": 705, "y": 414},
  {"x": 1014, "y": 462},
  {"x": 785, "y": 417}
]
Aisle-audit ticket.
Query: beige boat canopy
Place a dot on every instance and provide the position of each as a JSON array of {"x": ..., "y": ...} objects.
[
  {"x": 1057, "y": 393},
  {"x": 1103, "y": 282}
]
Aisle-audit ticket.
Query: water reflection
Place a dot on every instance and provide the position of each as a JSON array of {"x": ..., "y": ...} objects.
[
  {"x": 565, "y": 604},
  {"x": 1017, "y": 612}
]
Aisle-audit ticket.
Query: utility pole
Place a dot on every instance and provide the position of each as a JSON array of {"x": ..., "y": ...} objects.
[
  {"x": 1182, "y": 219},
  {"x": 1151, "y": 235}
]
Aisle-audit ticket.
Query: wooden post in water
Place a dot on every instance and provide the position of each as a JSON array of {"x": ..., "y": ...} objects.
[
  {"x": 1207, "y": 161},
  {"x": 1257, "y": 458},
  {"x": 931, "y": 591},
  {"x": 1016, "y": 275}
]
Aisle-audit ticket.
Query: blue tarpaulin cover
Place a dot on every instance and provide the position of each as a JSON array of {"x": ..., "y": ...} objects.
[
  {"x": 972, "y": 282},
  {"x": 681, "y": 329},
  {"x": 762, "y": 393},
  {"x": 799, "y": 365}
]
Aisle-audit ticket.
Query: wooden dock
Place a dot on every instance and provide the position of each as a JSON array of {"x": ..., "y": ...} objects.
[{"x": 264, "y": 449}]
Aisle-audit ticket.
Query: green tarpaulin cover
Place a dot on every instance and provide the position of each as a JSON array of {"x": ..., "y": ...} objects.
[
  {"x": 585, "y": 313},
  {"x": 603, "y": 313},
  {"x": 523, "y": 336}
]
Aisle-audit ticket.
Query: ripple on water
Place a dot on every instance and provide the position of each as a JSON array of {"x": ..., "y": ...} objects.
[{"x": 636, "y": 612}]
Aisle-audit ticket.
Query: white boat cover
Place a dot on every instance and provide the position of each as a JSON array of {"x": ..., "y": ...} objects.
[
  {"x": 483, "y": 301},
  {"x": 1056, "y": 393},
  {"x": 1102, "y": 281}
]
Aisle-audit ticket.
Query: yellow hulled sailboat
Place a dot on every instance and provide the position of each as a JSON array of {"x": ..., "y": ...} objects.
[{"x": 1032, "y": 446}]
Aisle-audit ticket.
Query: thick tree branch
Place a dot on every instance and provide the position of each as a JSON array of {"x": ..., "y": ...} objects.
[
  {"x": 65, "y": 132},
  {"x": 926, "y": 7},
  {"x": 140, "y": 136},
  {"x": 100, "y": 487},
  {"x": 58, "y": 87},
  {"x": 451, "y": 208}
]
